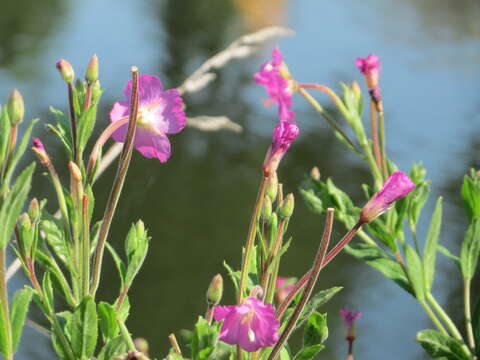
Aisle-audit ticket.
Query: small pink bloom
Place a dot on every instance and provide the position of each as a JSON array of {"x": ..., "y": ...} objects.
[
  {"x": 251, "y": 325},
  {"x": 159, "y": 113},
  {"x": 370, "y": 67},
  {"x": 283, "y": 286},
  {"x": 37, "y": 144},
  {"x": 283, "y": 135},
  {"x": 276, "y": 84},
  {"x": 397, "y": 186},
  {"x": 349, "y": 318},
  {"x": 40, "y": 151}
]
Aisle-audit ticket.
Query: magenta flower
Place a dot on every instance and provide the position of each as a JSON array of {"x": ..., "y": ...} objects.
[
  {"x": 37, "y": 144},
  {"x": 274, "y": 76},
  {"x": 370, "y": 67},
  {"x": 283, "y": 286},
  {"x": 251, "y": 325},
  {"x": 40, "y": 151},
  {"x": 159, "y": 113},
  {"x": 397, "y": 186},
  {"x": 349, "y": 318},
  {"x": 283, "y": 135}
]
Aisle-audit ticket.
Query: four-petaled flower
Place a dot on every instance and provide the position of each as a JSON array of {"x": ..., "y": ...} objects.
[
  {"x": 274, "y": 76},
  {"x": 251, "y": 325},
  {"x": 397, "y": 186},
  {"x": 159, "y": 113},
  {"x": 349, "y": 318},
  {"x": 370, "y": 67},
  {"x": 283, "y": 135}
]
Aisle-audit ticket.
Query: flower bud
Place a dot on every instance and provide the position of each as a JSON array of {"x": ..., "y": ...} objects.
[
  {"x": 286, "y": 207},
  {"x": 75, "y": 172},
  {"x": 40, "y": 151},
  {"x": 92, "y": 70},
  {"x": 397, "y": 186},
  {"x": 356, "y": 90},
  {"x": 25, "y": 221},
  {"x": 66, "y": 70},
  {"x": 15, "y": 107},
  {"x": 315, "y": 173},
  {"x": 141, "y": 345},
  {"x": 272, "y": 186},
  {"x": 34, "y": 210},
  {"x": 266, "y": 208},
  {"x": 215, "y": 290}
]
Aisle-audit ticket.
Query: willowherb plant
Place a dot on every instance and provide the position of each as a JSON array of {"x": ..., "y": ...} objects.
[{"x": 69, "y": 246}]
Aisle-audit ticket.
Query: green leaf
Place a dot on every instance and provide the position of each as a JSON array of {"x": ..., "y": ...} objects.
[
  {"x": 315, "y": 302},
  {"x": 379, "y": 229},
  {"x": 86, "y": 123},
  {"x": 205, "y": 338},
  {"x": 112, "y": 348},
  {"x": 418, "y": 198},
  {"x": 136, "y": 247},
  {"x": 316, "y": 330},
  {"x": 13, "y": 203},
  {"x": 4, "y": 135},
  {"x": 445, "y": 252},
  {"x": 48, "y": 290},
  {"x": 471, "y": 195},
  {"x": 19, "y": 309},
  {"x": 438, "y": 345},
  {"x": 119, "y": 265},
  {"x": 56, "y": 239},
  {"x": 431, "y": 245},
  {"x": 107, "y": 319},
  {"x": 375, "y": 257},
  {"x": 83, "y": 329},
  {"x": 470, "y": 250},
  {"x": 309, "y": 352},
  {"x": 313, "y": 203},
  {"x": 415, "y": 272}
]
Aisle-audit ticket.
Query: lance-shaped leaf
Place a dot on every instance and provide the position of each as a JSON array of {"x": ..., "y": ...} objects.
[
  {"x": 116, "y": 346},
  {"x": 20, "y": 303},
  {"x": 83, "y": 329},
  {"x": 205, "y": 338},
  {"x": 470, "y": 250},
  {"x": 418, "y": 198},
  {"x": 316, "y": 330},
  {"x": 107, "y": 319},
  {"x": 415, "y": 272},
  {"x": 471, "y": 194},
  {"x": 440, "y": 346},
  {"x": 86, "y": 123},
  {"x": 431, "y": 245},
  {"x": 136, "y": 247}
]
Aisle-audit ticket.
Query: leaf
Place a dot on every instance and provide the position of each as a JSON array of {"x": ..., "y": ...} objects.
[
  {"x": 378, "y": 229},
  {"x": 63, "y": 318},
  {"x": 315, "y": 302},
  {"x": 431, "y": 245},
  {"x": 48, "y": 290},
  {"x": 83, "y": 329},
  {"x": 19, "y": 309},
  {"x": 205, "y": 338},
  {"x": 375, "y": 257},
  {"x": 107, "y": 319},
  {"x": 316, "y": 330},
  {"x": 438, "y": 345},
  {"x": 4, "y": 135},
  {"x": 112, "y": 348},
  {"x": 309, "y": 352},
  {"x": 471, "y": 195},
  {"x": 470, "y": 250},
  {"x": 313, "y": 203},
  {"x": 13, "y": 204},
  {"x": 445, "y": 252},
  {"x": 136, "y": 247},
  {"x": 119, "y": 265},
  {"x": 55, "y": 238},
  {"x": 86, "y": 123},
  {"x": 418, "y": 198},
  {"x": 415, "y": 272}
]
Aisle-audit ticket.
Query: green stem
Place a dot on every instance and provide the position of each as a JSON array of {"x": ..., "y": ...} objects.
[
  {"x": 7, "y": 328},
  {"x": 381, "y": 128},
  {"x": 374, "y": 130},
  {"x": 327, "y": 117},
  {"x": 126, "y": 335},
  {"x": 114, "y": 196},
  {"x": 444, "y": 316},
  {"x": 86, "y": 245},
  {"x": 468, "y": 314},
  {"x": 250, "y": 242},
  {"x": 433, "y": 317}
]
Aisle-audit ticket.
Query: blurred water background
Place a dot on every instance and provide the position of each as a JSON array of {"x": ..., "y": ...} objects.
[{"x": 197, "y": 206}]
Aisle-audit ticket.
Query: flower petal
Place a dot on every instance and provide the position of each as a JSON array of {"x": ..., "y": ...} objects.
[
  {"x": 150, "y": 88},
  {"x": 152, "y": 145}
]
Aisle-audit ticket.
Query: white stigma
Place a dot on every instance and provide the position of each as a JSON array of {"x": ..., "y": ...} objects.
[{"x": 251, "y": 335}]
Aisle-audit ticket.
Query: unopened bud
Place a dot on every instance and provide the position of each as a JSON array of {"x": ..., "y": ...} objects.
[
  {"x": 92, "y": 70},
  {"x": 15, "y": 107},
  {"x": 356, "y": 89},
  {"x": 215, "y": 290},
  {"x": 39, "y": 150},
  {"x": 141, "y": 345},
  {"x": 266, "y": 208},
  {"x": 66, "y": 70},
  {"x": 272, "y": 186},
  {"x": 315, "y": 173},
  {"x": 25, "y": 221},
  {"x": 286, "y": 208},
  {"x": 79, "y": 86},
  {"x": 75, "y": 172},
  {"x": 34, "y": 210}
]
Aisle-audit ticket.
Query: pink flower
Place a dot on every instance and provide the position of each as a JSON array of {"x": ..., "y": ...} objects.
[
  {"x": 251, "y": 325},
  {"x": 283, "y": 286},
  {"x": 349, "y": 318},
  {"x": 274, "y": 76},
  {"x": 159, "y": 113},
  {"x": 37, "y": 144},
  {"x": 370, "y": 67},
  {"x": 283, "y": 135},
  {"x": 40, "y": 151},
  {"x": 397, "y": 186}
]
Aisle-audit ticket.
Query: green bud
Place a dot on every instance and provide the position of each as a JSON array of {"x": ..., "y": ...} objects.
[
  {"x": 272, "y": 186},
  {"x": 141, "y": 345},
  {"x": 286, "y": 207},
  {"x": 66, "y": 70},
  {"x": 15, "y": 107},
  {"x": 315, "y": 173},
  {"x": 215, "y": 290},
  {"x": 356, "y": 90},
  {"x": 266, "y": 208},
  {"x": 34, "y": 210},
  {"x": 92, "y": 70},
  {"x": 25, "y": 221}
]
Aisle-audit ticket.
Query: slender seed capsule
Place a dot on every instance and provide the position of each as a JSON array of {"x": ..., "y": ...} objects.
[
  {"x": 15, "y": 107},
  {"x": 66, "y": 70},
  {"x": 272, "y": 186},
  {"x": 286, "y": 208},
  {"x": 266, "y": 208},
  {"x": 92, "y": 70},
  {"x": 215, "y": 290}
]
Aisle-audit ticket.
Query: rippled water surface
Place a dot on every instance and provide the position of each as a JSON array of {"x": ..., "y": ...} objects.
[{"x": 197, "y": 206}]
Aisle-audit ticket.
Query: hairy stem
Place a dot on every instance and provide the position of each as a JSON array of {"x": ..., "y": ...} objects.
[{"x": 7, "y": 328}]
